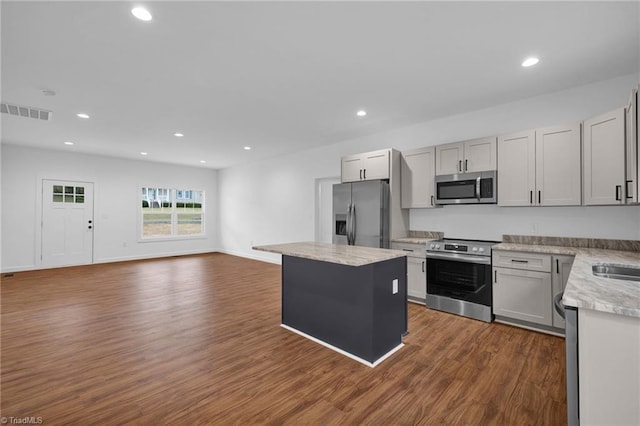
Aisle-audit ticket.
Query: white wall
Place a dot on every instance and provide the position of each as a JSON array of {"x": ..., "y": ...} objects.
[
  {"x": 273, "y": 201},
  {"x": 116, "y": 199}
]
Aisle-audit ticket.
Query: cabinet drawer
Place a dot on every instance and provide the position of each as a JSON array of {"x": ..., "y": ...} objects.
[
  {"x": 522, "y": 260},
  {"x": 413, "y": 250}
]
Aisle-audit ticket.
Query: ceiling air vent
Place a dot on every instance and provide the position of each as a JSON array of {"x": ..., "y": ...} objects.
[{"x": 24, "y": 111}]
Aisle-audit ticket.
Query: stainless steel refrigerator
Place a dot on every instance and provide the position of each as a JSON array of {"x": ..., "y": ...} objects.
[{"x": 361, "y": 213}]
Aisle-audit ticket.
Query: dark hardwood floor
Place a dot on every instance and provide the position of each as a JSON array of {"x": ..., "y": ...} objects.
[{"x": 196, "y": 339}]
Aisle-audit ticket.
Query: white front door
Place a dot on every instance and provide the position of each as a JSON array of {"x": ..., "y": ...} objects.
[{"x": 67, "y": 223}]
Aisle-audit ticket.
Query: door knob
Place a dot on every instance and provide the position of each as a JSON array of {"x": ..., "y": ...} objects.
[{"x": 90, "y": 227}]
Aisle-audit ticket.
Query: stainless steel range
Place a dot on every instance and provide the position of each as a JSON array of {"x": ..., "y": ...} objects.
[{"x": 459, "y": 277}]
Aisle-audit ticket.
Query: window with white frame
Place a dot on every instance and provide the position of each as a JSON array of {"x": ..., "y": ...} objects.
[{"x": 171, "y": 212}]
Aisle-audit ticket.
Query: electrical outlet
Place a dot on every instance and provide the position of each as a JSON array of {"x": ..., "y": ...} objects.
[{"x": 395, "y": 286}]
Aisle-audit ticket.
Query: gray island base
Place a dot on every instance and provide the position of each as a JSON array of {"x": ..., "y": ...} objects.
[{"x": 357, "y": 307}]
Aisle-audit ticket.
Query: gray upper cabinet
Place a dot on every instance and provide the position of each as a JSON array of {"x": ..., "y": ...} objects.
[
  {"x": 540, "y": 167},
  {"x": 558, "y": 170},
  {"x": 516, "y": 169},
  {"x": 604, "y": 159},
  {"x": 368, "y": 166},
  {"x": 474, "y": 155},
  {"x": 631, "y": 148},
  {"x": 416, "y": 174}
]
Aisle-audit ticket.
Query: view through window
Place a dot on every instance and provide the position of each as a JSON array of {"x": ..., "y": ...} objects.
[{"x": 170, "y": 212}]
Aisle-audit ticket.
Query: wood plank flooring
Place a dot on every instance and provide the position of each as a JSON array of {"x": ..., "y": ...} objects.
[{"x": 196, "y": 339}]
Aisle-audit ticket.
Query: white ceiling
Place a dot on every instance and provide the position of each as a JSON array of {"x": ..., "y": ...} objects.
[{"x": 287, "y": 76}]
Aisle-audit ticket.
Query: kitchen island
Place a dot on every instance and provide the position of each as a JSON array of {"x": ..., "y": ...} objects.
[{"x": 351, "y": 299}]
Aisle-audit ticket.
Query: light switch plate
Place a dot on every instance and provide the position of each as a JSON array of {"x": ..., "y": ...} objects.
[{"x": 395, "y": 286}]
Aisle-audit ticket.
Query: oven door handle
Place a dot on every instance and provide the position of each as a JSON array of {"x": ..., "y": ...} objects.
[{"x": 483, "y": 260}]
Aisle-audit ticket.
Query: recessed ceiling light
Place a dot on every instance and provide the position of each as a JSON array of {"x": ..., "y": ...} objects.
[
  {"x": 178, "y": 135},
  {"x": 83, "y": 115},
  {"x": 361, "y": 113},
  {"x": 141, "y": 13},
  {"x": 68, "y": 143},
  {"x": 530, "y": 61},
  {"x": 248, "y": 148},
  {"x": 202, "y": 161},
  {"x": 143, "y": 153}
]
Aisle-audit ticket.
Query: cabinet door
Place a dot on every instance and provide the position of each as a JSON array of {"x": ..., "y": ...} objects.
[
  {"x": 352, "y": 166},
  {"x": 416, "y": 175},
  {"x": 516, "y": 169},
  {"x": 558, "y": 162},
  {"x": 449, "y": 158},
  {"x": 480, "y": 155},
  {"x": 523, "y": 295},
  {"x": 559, "y": 277},
  {"x": 631, "y": 145},
  {"x": 603, "y": 160},
  {"x": 376, "y": 165},
  {"x": 417, "y": 278}
]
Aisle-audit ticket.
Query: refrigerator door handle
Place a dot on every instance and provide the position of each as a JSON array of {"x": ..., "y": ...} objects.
[
  {"x": 353, "y": 224},
  {"x": 349, "y": 224}
]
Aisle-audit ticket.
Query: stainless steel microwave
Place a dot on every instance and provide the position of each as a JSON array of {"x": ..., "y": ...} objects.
[{"x": 467, "y": 188}]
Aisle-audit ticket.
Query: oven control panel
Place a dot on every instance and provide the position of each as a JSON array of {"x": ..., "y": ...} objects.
[{"x": 479, "y": 248}]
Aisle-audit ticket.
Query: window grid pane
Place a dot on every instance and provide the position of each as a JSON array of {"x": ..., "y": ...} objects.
[{"x": 167, "y": 212}]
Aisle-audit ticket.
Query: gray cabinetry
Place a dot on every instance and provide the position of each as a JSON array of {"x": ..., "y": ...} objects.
[
  {"x": 523, "y": 295},
  {"x": 416, "y": 174},
  {"x": 416, "y": 270},
  {"x": 368, "y": 166},
  {"x": 560, "y": 270},
  {"x": 540, "y": 167},
  {"x": 523, "y": 288},
  {"x": 604, "y": 159},
  {"x": 476, "y": 155}
]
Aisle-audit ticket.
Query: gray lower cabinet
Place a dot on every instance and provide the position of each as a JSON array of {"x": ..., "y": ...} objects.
[
  {"x": 561, "y": 268},
  {"x": 523, "y": 295},
  {"x": 416, "y": 270},
  {"x": 524, "y": 285}
]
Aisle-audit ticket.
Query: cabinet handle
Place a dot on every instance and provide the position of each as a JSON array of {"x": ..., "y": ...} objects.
[
  {"x": 618, "y": 188},
  {"x": 495, "y": 275},
  {"x": 539, "y": 197},
  {"x": 557, "y": 266},
  {"x": 627, "y": 190},
  {"x": 432, "y": 200},
  {"x": 530, "y": 197},
  {"x": 519, "y": 261},
  {"x": 365, "y": 174},
  {"x": 466, "y": 165},
  {"x": 360, "y": 174},
  {"x": 460, "y": 165},
  {"x": 423, "y": 262}
]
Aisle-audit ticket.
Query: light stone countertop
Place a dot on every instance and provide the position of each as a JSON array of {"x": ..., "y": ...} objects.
[
  {"x": 413, "y": 240},
  {"x": 587, "y": 291},
  {"x": 333, "y": 253}
]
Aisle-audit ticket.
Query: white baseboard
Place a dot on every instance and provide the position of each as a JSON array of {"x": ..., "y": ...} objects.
[
  {"x": 25, "y": 268},
  {"x": 345, "y": 353},
  {"x": 261, "y": 258}
]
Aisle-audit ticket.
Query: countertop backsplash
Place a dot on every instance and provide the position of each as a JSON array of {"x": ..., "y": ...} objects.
[
  {"x": 435, "y": 235},
  {"x": 597, "y": 243}
]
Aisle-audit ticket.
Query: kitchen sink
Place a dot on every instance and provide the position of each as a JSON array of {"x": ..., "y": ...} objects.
[{"x": 618, "y": 272}]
